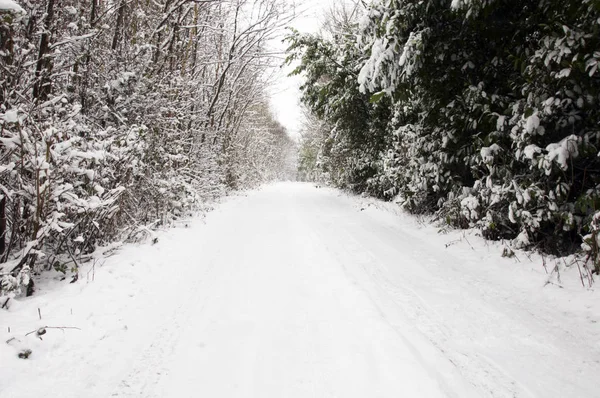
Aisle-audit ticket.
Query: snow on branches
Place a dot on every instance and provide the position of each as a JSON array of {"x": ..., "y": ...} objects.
[
  {"x": 480, "y": 111},
  {"x": 115, "y": 115}
]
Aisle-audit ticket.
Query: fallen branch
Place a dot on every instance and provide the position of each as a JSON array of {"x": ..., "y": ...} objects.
[
  {"x": 40, "y": 331},
  {"x": 465, "y": 238}
]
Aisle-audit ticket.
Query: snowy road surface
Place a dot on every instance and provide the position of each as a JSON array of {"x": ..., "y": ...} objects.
[{"x": 295, "y": 291}]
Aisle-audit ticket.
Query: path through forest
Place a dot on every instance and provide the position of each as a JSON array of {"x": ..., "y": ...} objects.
[{"x": 298, "y": 291}]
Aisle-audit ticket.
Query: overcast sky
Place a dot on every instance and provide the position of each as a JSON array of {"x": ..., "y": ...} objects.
[{"x": 285, "y": 96}]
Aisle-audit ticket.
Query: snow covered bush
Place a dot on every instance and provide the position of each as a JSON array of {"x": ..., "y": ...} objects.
[
  {"x": 11, "y": 286},
  {"x": 117, "y": 115},
  {"x": 491, "y": 112},
  {"x": 350, "y": 152},
  {"x": 591, "y": 243}
]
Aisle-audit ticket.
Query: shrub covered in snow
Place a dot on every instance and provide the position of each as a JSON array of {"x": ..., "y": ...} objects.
[
  {"x": 492, "y": 112},
  {"x": 115, "y": 115}
]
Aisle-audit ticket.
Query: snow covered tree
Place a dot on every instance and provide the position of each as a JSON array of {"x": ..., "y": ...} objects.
[
  {"x": 118, "y": 115},
  {"x": 491, "y": 114},
  {"x": 350, "y": 154}
]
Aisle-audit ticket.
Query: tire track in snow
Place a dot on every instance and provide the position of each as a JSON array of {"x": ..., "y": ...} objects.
[
  {"x": 148, "y": 370},
  {"x": 328, "y": 301},
  {"x": 421, "y": 320}
]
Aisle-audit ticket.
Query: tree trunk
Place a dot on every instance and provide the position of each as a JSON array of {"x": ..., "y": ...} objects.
[
  {"x": 44, "y": 64},
  {"x": 88, "y": 60},
  {"x": 3, "y": 225},
  {"x": 119, "y": 27}
]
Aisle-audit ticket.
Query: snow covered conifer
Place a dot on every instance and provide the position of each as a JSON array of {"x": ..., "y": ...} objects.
[{"x": 493, "y": 119}]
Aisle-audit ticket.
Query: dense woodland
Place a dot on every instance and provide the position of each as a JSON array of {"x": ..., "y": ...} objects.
[
  {"x": 119, "y": 116},
  {"x": 482, "y": 112}
]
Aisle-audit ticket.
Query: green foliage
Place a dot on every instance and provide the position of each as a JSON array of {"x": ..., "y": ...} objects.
[
  {"x": 349, "y": 155},
  {"x": 482, "y": 111}
]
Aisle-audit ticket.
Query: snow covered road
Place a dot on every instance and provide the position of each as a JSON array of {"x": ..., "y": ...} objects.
[{"x": 295, "y": 291}]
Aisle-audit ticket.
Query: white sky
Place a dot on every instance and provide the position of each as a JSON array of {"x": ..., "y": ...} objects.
[{"x": 285, "y": 95}]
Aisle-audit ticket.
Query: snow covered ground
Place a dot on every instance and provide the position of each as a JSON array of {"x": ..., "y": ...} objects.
[{"x": 296, "y": 291}]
